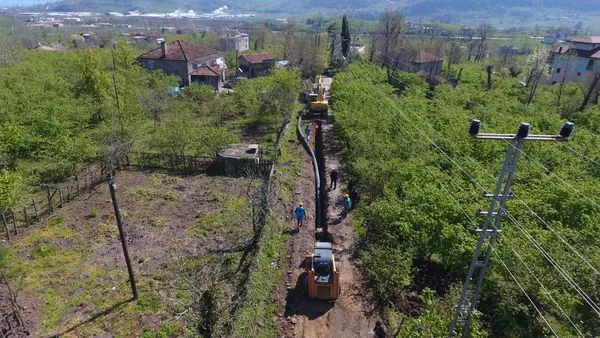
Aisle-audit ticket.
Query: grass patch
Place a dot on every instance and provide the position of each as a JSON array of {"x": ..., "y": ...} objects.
[
  {"x": 231, "y": 215},
  {"x": 164, "y": 180},
  {"x": 154, "y": 193},
  {"x": 256, "y": 316},
  {"x": 158, "y": 222}
]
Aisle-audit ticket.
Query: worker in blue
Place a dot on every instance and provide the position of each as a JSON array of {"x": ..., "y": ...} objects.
[
  {"x": 347, "y": 204},
  {"x": 300, "y": 215},
  {"x": 307, "y": 132}
]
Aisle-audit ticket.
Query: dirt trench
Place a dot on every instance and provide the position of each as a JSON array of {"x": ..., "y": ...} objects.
[{"x": 352, "y": 314}]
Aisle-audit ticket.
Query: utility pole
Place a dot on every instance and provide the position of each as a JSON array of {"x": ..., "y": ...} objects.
[
  {"x": 491, "y": 225},
  {"x": 113, "y": 196}
]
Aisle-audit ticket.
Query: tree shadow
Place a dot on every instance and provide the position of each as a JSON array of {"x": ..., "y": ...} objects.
[
  {"x": 94, "y": 317},
  {"x": 298, "y": 303}
]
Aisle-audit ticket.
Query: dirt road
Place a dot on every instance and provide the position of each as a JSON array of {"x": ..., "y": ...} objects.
[{"x": 352, "y": 314}]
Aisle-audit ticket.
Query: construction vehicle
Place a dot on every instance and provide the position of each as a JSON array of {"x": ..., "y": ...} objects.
[
  {"x": 323, "y": 276},
  {"x": 317, "y": 103}
]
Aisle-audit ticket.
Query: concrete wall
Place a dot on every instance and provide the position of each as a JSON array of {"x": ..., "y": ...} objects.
[
  {"x": 433, "y": 68},
  {"x": 572, "y": 69},
  {"x": 179, "y": 68},
  {"x": 214, "y": 81}
]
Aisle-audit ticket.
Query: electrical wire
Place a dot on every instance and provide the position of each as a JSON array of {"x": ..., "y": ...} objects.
[
  {"x": 480, "y": 186},
  {"x": 558, "y": 177},
  {"x": 555, "y": 264},
  {"x": 511, "y": 246},
  {"x": 578, "y": 289},
  {"x": 524, "y": 292}
]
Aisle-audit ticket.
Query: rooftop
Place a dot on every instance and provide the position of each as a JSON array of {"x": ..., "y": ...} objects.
[
  {"x": 258, "y": 58},
  {"x": 425, "y": 57},
  {"x": 180, "y": 51},
  {"x": 588, "y": 39},
  {"x": 569, "y": 50},
  {"x": 211, "y": 70},
  {"x": 240, "y": 151}
]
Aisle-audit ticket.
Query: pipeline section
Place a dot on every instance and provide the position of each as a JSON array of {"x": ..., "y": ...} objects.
[{"x": 308, "y": 148}]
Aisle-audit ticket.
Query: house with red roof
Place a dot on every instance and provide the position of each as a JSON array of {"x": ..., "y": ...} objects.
[
  {"x": 253, "y": 65},
  {"x": 212, "y": 75},
  {"x": 419, "y": 61},
  {"x": 185, "y": 59},
  {"x": 577, "y": 61}
]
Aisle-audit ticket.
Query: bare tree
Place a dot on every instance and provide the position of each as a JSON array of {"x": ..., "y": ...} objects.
[
  {"x": 391, "y": 26},
  {"x": 593, "y": 86},
  {"x": 104, "y": 38},
  {"x": 454, "y": 53},
  {"x": 373, "y": 47},
  {"x": 305, "y": 54},
  {"x": 537, "y": 66},
  {"x": 261, "y": 34},
  {"x": 484, "y": 30},
  {"x": 289, "y": 31},
  {"x": 9, "y": 52}
]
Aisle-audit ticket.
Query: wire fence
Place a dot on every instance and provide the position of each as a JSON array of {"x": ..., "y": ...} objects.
[{"x": 56, "y": 195}]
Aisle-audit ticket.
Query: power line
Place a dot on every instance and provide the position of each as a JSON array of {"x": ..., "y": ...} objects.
[
  {"x": 557, "y": 234},
  {"x": 542, "y": 285},
  {"x": 525, "y": 204},
  {"x": 580, "y": 154},
  {"x": 438, "y": 148},
  {"x": 477, "y": 183},
  {"x": 524, "y": 292},
  {"x": 551, "y": 173},
  {"x": 557, "y": 266}
]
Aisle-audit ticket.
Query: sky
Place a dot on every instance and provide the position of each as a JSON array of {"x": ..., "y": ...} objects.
[{"x": 4, "y": 3}]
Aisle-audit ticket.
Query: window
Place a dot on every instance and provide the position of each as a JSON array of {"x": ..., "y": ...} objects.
[
  {"x": 578, "y": 73},
  {"x": 150, "y": 64},
  {"x": 590, "y": 65},
  {"x": 557, "y": 70}
]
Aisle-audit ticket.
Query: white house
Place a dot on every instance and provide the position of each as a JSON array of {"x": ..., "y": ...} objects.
[
  {"x": 234, "y": 42},
  {"x": 358, "y": 49},
  {"x": 576, "y": 62}
]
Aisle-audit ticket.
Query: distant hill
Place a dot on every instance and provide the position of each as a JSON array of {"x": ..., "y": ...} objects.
[{"x": 415, "y": 8}]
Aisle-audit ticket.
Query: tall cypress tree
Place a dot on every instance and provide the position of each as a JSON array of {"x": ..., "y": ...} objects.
[{"x": 345, "y": 36}]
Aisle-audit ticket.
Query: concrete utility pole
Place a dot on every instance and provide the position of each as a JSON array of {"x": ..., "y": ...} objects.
[{"x": 491, "y": 225}]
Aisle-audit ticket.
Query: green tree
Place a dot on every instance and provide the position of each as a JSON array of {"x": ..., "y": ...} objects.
[
  {"x": 345, "y": 34},
  {"x": 11, "y": 186}
]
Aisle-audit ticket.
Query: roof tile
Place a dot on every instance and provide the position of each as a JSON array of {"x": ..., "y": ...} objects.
[
  {"x": 258, "y": 58},
  {"x": 180, "y": 51}
]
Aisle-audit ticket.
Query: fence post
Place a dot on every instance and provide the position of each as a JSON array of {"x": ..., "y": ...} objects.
[
  {"x": 26, "y": 218},
  {"x": 60, "y": 195},
  {"x": 37, "y": 217},
  {"x": 77, "y": 184},
  {"x": 14, "y": 221},
  {"x": 5, "y": 227},
  {"x": 50, "y": 206}
]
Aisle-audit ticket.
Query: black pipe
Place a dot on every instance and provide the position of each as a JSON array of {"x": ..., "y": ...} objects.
[{"x": 318, "y": 202}]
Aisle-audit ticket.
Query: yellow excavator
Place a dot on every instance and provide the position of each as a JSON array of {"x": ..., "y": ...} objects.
[
  {"x": 323, "y": 276},
  {"x": 317, "y": 103}
]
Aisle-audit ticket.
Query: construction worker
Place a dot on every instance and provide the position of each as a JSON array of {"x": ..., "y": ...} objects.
[
  {"x": 354, "y": 195},
  {"x": 300, "y": 215},
  {"x": 307, "y": 132},
  {"x": 333, "y": 175},
  {"x": 379, "y": 330},
  {"x": 347, "y": 204}
]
